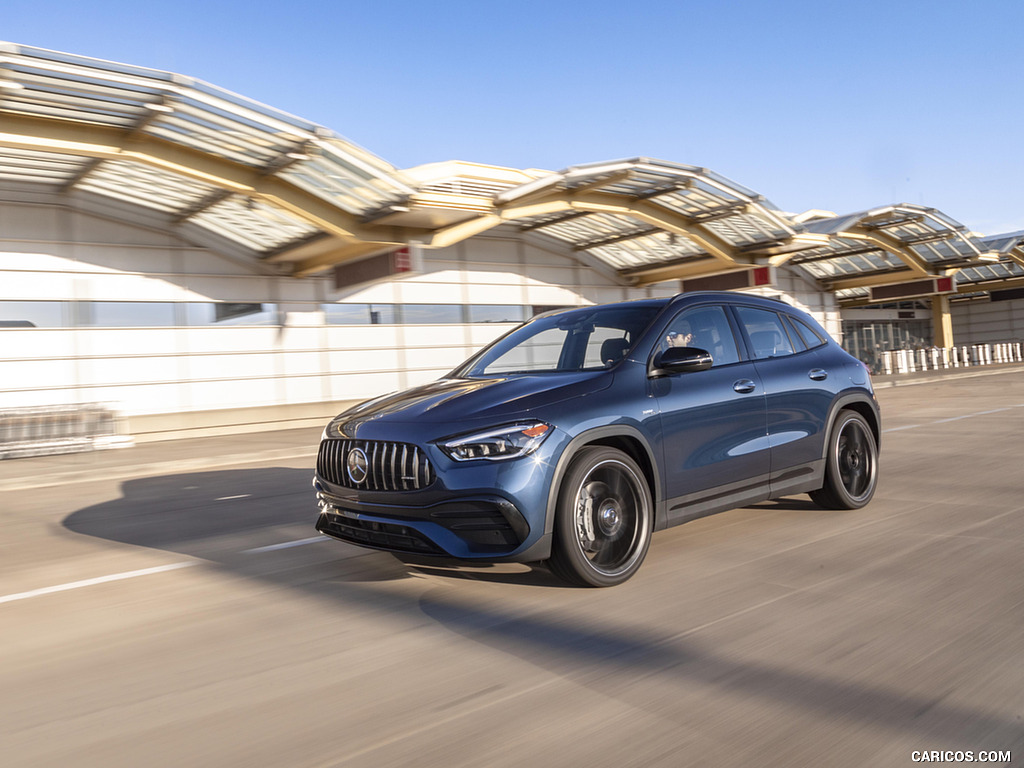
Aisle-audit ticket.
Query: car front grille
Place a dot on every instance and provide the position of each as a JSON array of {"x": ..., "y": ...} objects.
[{"x": 388, "y": 466}]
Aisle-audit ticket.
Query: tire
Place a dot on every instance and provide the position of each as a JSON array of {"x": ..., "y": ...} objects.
[
  {"x": 851, "y": 464},
  {"x": 603, "y": 520}
]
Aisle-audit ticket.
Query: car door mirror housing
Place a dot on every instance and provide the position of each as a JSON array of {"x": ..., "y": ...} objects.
[{"x": 682, "y": 360}]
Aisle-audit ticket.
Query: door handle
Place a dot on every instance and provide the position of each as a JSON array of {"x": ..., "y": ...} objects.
[
  {"x": 744, "y": 386},
  {"x": 818, "y": 374}
]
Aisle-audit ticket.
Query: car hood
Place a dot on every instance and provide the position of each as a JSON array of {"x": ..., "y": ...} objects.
[{"x": 464, "y": 400}]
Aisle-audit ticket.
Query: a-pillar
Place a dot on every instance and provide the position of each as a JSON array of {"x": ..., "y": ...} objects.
[{"x": 942, "y": 322}]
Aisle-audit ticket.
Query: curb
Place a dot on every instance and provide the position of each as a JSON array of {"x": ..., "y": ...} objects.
[{"x": 896, "y": 382}]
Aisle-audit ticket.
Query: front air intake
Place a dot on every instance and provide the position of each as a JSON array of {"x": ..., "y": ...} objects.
[{"x": 374, "y": 465}]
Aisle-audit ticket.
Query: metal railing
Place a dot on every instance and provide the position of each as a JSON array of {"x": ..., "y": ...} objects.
[
  {"x": 41, "y": 430},
  {"x": 937, "y": 358}
]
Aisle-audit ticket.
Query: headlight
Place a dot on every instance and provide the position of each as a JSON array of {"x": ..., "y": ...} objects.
[{"x": 508, "y": 442}]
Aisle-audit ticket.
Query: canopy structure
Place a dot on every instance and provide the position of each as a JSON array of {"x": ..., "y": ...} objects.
[
  {"x": 1006, "y": 272},
  {"x": 886, "y": 245},
  {"x": 207, "y": 159},
  {"x": 295, "y": 197}
]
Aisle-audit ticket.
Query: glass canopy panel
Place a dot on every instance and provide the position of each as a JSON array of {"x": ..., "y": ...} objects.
[
  {"x": 852, "y": 293},
  {"x": 650, "y": 250},
  {"x": 43, "y": 167},
  {"x": 144, "y": 186},
  {"x": 1002, "y": 270},
  {"x": 588, "y": 229},
  {"x": 254, "y": 224},
  {"x": 198, "y": 116}
]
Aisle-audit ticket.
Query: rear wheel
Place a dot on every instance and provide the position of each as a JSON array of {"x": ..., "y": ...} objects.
[
  {"x": 603, "y": 521},
  {"x": 851, "y": 469}
]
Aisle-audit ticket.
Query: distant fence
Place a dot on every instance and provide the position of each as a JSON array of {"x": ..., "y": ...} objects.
[
  {"x": 37, "y": 431},
  {"x": 937, "y": 358}
]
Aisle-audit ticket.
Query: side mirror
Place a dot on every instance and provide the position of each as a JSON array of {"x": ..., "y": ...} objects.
[{"x": 682, "y": 360}]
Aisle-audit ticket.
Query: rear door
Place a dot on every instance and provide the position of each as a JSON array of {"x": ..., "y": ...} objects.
[{"x": 799, "y": 389}]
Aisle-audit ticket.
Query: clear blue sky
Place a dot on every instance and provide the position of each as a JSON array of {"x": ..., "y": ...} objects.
[{"x": 843, "y": 105}]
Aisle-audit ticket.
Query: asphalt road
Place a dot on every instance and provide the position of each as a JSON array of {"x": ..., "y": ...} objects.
[{"x": 154, "y": 621}]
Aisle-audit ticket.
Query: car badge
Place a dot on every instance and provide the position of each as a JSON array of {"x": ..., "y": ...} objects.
[{"x": 357, "y": 465}]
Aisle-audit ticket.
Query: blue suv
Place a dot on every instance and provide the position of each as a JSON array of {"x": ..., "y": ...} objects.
[{"x": 575, "y": 436}]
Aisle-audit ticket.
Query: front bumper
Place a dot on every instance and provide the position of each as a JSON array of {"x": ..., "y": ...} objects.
[{"x": 482, "y": 511}]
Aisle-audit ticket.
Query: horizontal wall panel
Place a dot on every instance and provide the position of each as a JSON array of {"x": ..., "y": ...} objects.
[
  {"x": 106, "y": 342},
  {"x": 138, "y": 399},
  {"x": 36, "y": 374},
  {"x": 430, "y": 293},
  {"x": 446, "y": 358},
  {"x": 304, "y": 389},
  {"x": 362, "y": 337},
  {"x": 139, "y": 370},
  {"x": 363, "y": 386},
  {"x": 236, "y": 366},
  {"x": 209, "y": 395},
  {"x": 31, "y": 398},
  {"x": 38, "y": 286},
  {"x": 229, "y": 339},
  {"x": 434, "y": 335},
  {"x": 363, "y": 360}
]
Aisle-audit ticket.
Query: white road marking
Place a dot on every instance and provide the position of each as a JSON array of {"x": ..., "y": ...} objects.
[
  {"x": 93, "y": 582},
  {"x": 955, "y": 418},
  {"x": 228, "y": 498},
  {"x": 284, "y": 545}
]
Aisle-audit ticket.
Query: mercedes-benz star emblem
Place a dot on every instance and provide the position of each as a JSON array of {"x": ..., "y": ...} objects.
[{"x": 357, "y": 465}]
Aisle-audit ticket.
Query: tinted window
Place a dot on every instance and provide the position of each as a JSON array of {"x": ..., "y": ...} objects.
[
  {"x": 497, "y": 313},
  {"x": 125, "y": 314},
  {"x": 359, "y": 314},
  {"x": 810, "y": 336},
  {"x": 706, "y": 328},
  {"x": 431, "y": 314},
  {"x": 230, "y": 313},
  {"x": 31, "y": 314},
  {"x": 798, "y": 343},
  {"x": 767, "y": 334},
  {"x": 583, "y": 339}
]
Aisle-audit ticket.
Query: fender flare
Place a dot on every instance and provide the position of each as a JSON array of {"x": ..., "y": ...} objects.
[
  {"x": 582, "y": 440},
  {"x": 843, "y": 402}
]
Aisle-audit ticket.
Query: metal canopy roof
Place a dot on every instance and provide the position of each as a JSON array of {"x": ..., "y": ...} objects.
[
  {"x": 286, "y": 191},
  {"x": 1007, "y": 272},
  {"x": 247, "y": 172}
]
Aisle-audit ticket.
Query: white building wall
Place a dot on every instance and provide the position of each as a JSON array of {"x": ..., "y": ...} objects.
[
  {"x": 53, "y": 253},
  {"x": 982, "y": 321}
]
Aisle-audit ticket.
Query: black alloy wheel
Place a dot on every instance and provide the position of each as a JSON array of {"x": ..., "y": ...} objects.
[
  {"x": 851, "y": 469},
  {"x": 604, "y": 519}
]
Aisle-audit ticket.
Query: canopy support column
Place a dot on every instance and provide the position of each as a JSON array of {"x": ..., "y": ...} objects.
[{"x": 942, "y": 322}]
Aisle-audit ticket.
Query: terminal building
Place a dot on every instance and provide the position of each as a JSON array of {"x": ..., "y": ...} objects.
[{"x": 195, "y": 260}]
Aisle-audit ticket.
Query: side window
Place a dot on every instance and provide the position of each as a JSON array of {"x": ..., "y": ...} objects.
[
  {"x": 705, "y": 328},
  {"x": 798, "y": 342},
  {"x": 808, "y": 334},
  {"x": 766, "y": 331}
]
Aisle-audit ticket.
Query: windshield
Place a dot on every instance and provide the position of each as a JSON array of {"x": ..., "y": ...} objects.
[{"x": 587, "y": 339}]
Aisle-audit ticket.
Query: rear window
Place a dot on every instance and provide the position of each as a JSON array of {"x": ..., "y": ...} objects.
[{"x": 810, "y": 336}]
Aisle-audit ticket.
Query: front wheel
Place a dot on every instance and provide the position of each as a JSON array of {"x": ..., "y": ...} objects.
[
  {"x": 851, "y": 468},
  {"x": 603, "y": 520}
]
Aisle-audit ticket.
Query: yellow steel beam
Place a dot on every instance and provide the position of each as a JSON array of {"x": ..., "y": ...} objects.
[
  {"x": 915, "y": 263},
  {"x": 320, "y": 262},
  {"x": 992, "y": 285},
  {"x": 942, "y": 322},
  {"x": 658, "y": 274},
  {"x": 798, "y": 244},
  {"x": 867, "y": 281},
  {"x": 86, "y": 140}
]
